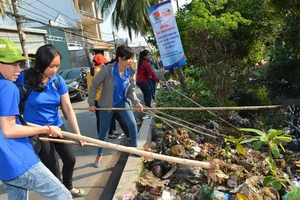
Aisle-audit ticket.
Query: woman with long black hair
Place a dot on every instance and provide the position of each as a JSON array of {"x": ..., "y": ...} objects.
[
  {"x": 118, "y": 85},
  {"x": 48, "y": 92},
  {"x": 143, "y": 75}
]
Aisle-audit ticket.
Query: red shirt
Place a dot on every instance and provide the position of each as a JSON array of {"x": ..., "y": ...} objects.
[{"x": 145, "y": 71}]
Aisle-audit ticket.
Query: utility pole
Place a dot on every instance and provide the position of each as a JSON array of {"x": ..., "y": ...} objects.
[
  {"x": 114, "y": 40},
  {"x": 21, "y": 34}
]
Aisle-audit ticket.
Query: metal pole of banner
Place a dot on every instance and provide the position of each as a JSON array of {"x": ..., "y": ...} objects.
[{"x": 177, "y": 5}]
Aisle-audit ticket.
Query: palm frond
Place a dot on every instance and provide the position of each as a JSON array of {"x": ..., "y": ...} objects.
[{"x": 4, "y": 3}]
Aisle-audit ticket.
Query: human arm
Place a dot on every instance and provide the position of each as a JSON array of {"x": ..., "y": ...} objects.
[
  {"x": 150, "y": 71},
  {"x": 70, "y": 114},
  {"x": 12, "y": 130},
  {"x": 139, "y": 107},
  {"x": 9, "y": 110}
]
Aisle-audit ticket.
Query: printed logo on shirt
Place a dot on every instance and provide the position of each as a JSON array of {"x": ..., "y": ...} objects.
[{"x": 54, "y": 86}]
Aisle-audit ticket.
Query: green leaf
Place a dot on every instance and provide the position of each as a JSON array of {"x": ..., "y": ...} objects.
[
  {"x": 230, "y": 139},
  {"x": 264, "y": 138},
  {"x": 275, "y": 150},
  {"x": 277, "y": 185},
  {"x": 271, "y": 164},
  {"x": 227, "y": 151},
  {"x": 268, "y": 180},
  {"x": 179, "y": 186},
  {"x": 257, "y": 145},
  {"x": 249, "y": 140},
  {"x": 240, "y": 149},
  {"x": 283, "y": 149},
  {"x": 287, "y": 178},
  {"x": 283, "y": 138},
  {"x": 273, "y": 132},
  {"x": 252, "y": 130}
]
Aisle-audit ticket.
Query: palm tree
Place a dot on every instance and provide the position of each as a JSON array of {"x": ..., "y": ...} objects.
[
  {"x": 2, "y": 5},
  {"x": 130, "y": 15}
]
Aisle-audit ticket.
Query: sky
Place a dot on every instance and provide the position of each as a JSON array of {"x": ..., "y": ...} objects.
[
  {"x": 35, "y": 9},
  {"x": 106, "y": 28}
]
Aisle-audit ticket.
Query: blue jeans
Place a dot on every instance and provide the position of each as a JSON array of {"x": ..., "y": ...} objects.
[
  {"x": 145, "y": 88},
  {"x": 152, "y": 85},
  {"x": 127, "y": 115},
  {"x": 39, "y": 179}
]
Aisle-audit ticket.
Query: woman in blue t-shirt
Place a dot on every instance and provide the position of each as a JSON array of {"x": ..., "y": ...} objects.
[
  {"x": 118, "y": 85},
  {"x": 47, "y": 92},
  {"x": 20, "y": 168}
]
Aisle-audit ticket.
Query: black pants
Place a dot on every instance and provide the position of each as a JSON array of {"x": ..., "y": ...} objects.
[
  {"x": 117, "y": 117},
  {"x": 145, "y": 88},
  {"x": 50, "y": 159}
]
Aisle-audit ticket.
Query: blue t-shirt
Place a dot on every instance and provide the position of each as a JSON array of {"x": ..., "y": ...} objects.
[
  {"x": 42, "y": 107},
  {"x": 16, "y": 154},
  {"x": 120, "y": 84}
]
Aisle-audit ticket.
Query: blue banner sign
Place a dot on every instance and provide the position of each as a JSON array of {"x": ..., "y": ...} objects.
[{"x": 167, "y": 36}]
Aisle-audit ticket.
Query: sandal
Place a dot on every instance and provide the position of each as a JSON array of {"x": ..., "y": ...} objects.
[
  {"x": 80, "y": 193},
  {"x": 113, "y": 136},
  {"x": 117, "y": 133}
]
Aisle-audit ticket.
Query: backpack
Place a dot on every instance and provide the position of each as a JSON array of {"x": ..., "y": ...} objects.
[{"x": 25, "y": 90}]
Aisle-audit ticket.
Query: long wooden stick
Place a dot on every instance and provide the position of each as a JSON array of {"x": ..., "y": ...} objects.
[
  {"x": 187, "y": 122},
  {"x": 133, "y": 150},
  {"x": 44, "y": 139},
  {"x": 187, "y": 127},
  {"x": 194, "y": 108}
]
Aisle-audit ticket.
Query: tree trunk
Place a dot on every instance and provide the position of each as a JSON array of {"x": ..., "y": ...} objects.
[{"x": 181, "y": 78}]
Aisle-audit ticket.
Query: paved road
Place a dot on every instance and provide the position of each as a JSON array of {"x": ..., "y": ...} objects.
[{"x": 95, "y": 181}]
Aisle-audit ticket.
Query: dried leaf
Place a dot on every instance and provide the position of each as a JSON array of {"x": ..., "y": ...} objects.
[
  {"x": 241, "y": 197},
  {"x": 221, "y": 174},
  {"x": 241, "y": 149},
  {"x": 297, "y": 163}
]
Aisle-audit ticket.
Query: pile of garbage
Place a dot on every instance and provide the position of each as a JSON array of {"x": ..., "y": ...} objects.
[{"x": 241, "y": 176}]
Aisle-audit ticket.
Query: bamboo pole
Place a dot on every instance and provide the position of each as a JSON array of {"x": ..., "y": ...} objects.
[
  {"x": 195, "y": 108},
  {"x": 133, "y": 150},
  {"x": 45, "y": 139},
  {"x": 187, "y": 127},
  {"x": 187, "y": 122},
  {"x": 188, "y": 108}
]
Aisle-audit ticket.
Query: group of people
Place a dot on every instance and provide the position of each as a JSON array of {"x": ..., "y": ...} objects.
[{"x": 110, "y": 86}]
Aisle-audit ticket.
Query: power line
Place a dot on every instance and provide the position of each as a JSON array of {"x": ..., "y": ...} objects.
[
  {"x": 56, "y": 11},
  {"x": 59, "y": 28},
  {"x": 62, "y": 14},
  {"x": 33, "y": 13},
  {"x": 47, "y": 18},
  {"x": 67, "y": 17},
  {"x": 109, "y": 35},
  {"x": 44, "y": 12}
]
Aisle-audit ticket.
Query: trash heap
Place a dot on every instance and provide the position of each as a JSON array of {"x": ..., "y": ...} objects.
[{"x": 241, "y": 177}]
